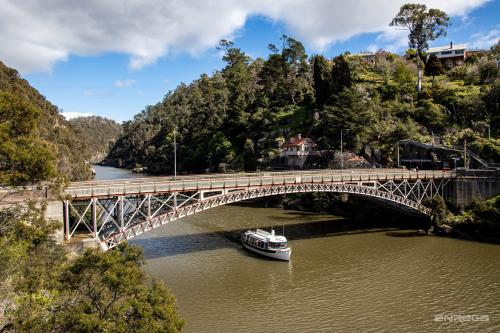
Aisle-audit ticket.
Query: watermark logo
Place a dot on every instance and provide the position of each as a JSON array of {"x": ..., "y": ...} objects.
[{"x": 460, "y": 318}]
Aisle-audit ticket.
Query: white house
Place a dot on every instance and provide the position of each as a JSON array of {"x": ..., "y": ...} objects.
[
  {"x": 450, "y": 55},
  {"x": 297, "y": 151},
  {"x": 299, "y": 147}
]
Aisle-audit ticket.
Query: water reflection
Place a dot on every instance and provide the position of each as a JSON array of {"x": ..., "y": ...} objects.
[{"x": 171, "y": 245}]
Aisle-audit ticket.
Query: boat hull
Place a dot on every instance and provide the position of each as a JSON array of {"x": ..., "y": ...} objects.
[{"x": 275, "y": 254}]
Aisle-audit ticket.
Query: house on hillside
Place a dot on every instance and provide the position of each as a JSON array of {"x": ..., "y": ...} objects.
[
  {"x": 370, "y": 57},
  {"x": 297, "y": 151},
  {"x": 450, "y": 55}
]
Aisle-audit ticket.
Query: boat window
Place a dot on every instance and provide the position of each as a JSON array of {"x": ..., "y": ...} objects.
[{"x": 278, "y": 245}]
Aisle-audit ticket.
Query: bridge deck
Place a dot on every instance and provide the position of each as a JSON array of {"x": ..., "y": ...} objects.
[{"x": 149, "y": 185}]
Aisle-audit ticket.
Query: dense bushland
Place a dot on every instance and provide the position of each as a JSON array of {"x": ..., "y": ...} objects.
[{"x": 232, "y": 119}]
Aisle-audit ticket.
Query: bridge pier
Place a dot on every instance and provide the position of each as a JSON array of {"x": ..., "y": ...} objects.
[
  {"x": 471, "y": 185},
  {"x": 55, "y": 211}
]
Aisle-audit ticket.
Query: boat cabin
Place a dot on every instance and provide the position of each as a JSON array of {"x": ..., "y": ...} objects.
[{"x": 264, "y": 240}]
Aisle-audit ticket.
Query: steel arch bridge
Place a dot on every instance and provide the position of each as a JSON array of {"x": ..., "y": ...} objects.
[{"x": 114, "y": 211}]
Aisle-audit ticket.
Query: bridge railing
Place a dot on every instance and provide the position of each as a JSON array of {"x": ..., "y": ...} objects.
[{"x": 242, "y": 180}]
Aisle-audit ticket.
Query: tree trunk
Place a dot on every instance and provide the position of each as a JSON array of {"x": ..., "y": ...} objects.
[{"x": 419, "y": 74}]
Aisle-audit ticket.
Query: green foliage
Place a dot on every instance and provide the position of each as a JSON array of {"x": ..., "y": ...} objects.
[
  {"x": 488, "y": 71},
  {"x": 434, "y": 66},
  {"x": 96, "y": 135},
  {"x": 423, "y": 26},
  {"x": 24, "y": 157},
  {"x": 322, "y": 79},
  {"x": 341, "y": 75},
  {"x": 404, "y": 73},
  {"x": 457, "y": 73},
  {"x": 472, "y": 59},
  {"x": 430, "y": 114},
  {"x": 230, "y": 121},
  {"x": 471, "y": 75},
  {"x": 41, "y": 290},
  {"x": 488, "y": 210},
  {"x": 439, "y": 210},
  {"x": 495, "y": 50},
  {"x": 249, "y": 159},
  {"x": 36, "y": 142}
]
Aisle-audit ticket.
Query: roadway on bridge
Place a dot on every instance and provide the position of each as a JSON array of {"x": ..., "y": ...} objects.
[{"x": 237, "y": 180}]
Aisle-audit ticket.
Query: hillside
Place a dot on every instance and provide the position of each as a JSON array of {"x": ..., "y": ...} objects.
[
  {"x": 232, "y": 119},
  {"x": 96, "y": 135},
  {"x": 37, "y": 143}
]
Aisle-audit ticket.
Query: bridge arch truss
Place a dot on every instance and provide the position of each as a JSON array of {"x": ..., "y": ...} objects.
[{"x": 112, "y": 219}]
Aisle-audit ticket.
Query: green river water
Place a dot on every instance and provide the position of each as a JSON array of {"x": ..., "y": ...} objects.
[{"x": 343, "y": 277}]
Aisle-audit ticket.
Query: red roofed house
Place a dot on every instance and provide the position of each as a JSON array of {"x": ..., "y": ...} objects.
[{"x": 297, "y": 150}]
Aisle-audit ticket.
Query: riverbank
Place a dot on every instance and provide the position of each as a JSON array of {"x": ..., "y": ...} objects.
[{"x": 481, "y": 222}]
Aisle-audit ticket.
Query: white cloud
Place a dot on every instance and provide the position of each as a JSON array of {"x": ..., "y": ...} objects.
[
  {"x": 71, "y": 115},
  {"x": 88, "y": 92},
  {"x": 35, "y": 34},
  {"x": 485, "y": 41},
  {"x": 124, "y": 83}
]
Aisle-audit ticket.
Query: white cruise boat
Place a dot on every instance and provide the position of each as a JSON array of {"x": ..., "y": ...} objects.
[{"x": 266, "y": 244}]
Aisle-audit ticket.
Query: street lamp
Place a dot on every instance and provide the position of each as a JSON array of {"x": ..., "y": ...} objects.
[{"x": 341, "y": 150}]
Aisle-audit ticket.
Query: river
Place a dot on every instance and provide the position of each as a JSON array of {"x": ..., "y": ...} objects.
[{"x": 343, "y": 277}]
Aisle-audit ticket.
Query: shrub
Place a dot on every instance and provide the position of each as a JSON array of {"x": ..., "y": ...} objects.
[
  {"x": 457, "y": 73},
  {"x": 488, "y": 71},
  {"x": 471, "y": 74}
]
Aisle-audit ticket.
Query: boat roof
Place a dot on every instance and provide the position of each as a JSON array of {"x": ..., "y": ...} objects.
[{"x": 264, "y": 235}]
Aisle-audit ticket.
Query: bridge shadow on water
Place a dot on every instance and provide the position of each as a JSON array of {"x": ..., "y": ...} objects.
[{"x": 165, "y": 246}]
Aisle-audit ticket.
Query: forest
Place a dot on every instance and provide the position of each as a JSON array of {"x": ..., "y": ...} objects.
[
  {"x": 233, "y": 119},
  {"x": 38, "y": 144}
]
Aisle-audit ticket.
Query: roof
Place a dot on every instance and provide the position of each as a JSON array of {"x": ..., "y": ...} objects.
[
  {"x": 293, "y": 142},
  {"x": 266, "y": 236},
  {"x": 447, "y": 48}
]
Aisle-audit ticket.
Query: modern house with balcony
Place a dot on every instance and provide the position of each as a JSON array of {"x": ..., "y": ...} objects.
[{"x": 450, "y": 55}]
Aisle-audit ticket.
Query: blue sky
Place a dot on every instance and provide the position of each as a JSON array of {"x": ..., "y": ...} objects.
[{"x": 114, "y": 71}]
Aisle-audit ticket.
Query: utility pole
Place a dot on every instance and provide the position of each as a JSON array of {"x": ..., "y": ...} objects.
[
  {"x": 175, "y": 154},
  {"x": 465, "y": 153},
  {"x": 398, "y": 154},
  {"x": 342, "y": 151},
  {"x": 489, "y": 134},
  {"x": 341, "y": 155}
]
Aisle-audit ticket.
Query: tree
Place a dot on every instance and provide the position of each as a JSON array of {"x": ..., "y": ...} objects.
[
  {"x": 488, "y": 70},
  {"x": 495, "y": 50},
  {"x": 114, "y": 297},
  {"x": 404, "y": 72},
  {"x": 249, "y": 160},
  {"x": 322, "y": 79},
  {"x": 41, "y": 290},
  {"x": 285, "y": 75},
  {"x": 472, "y": 59},
  {"x": 434, "y": 67},
  {"x": 341, "y": 74},
  {"x": 423, "y": 26},
  {"x": 24, "y": 157}
]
